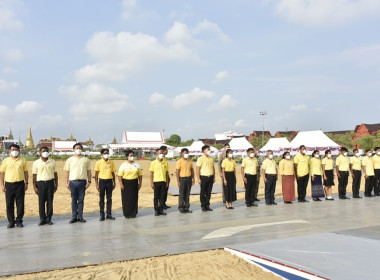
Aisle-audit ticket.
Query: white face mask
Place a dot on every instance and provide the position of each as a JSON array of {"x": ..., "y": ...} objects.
[
  {"x": 208, "y": 152},
  {"x": 345, "y": 154},
  {"x": 303, "y": 152},
  {"x": 131, "y": 158},
  {"x": 369, "y": 154},
  {"x": 106, "y": 156},
  {"x": 160, "y": 156},
  {"x": 78, "y": 152},
  {"x": 378, "y": 153},
  {"x": 45, "y": 154},
  {"x": 270, "y": 156},
  {"x": 357, "y": 155},
  {"x": 287, "y": 157},
  {"x": 316, "y": 156},
  {"x": 329, "y": 155},
  {"x": 186, "y": 156},
  {"x": 230, "y": 155},
  {"x": 252, "y": 155},
  {"x": 15, "y": 153}
]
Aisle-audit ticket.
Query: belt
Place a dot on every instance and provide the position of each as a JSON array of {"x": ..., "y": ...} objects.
[
  {"x": 105, "y": 179},
  {"x": 79, "y": 180},
  {"x": 207, "y": 176},
  {"x": 272, "y": 175},
  {"x": 185, "y": 177},
  {"x": 250, "y": 174},
  {"x": 45, "y": 181}
]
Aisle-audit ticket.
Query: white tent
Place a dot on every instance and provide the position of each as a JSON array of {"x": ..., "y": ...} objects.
[
  {"x": 314, "y": 140},
  {"x": 195, "y": 149},
  {"x": 239, "y": 145},
  {"x": 277, "y": 145}
]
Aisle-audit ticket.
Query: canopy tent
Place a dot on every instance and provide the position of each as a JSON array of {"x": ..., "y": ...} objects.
[
  {"x": 239, "y": 145},
  {"x": 314, "y": 140},
  {"x": 195, "y": 149},
  {"x": 277, "y": 145}
]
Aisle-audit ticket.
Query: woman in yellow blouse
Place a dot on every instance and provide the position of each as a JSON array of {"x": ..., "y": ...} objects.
[
  {"x": 316, "y": 176},
  {"x": 286, "y": 171},
  {"x": 130, "y": 179},
  {"x": 328, "y": 174},
  {"x": 229, "y": 179}
]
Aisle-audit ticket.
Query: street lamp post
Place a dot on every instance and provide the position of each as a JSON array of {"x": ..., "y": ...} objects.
[{"x": 263, "y": 113}]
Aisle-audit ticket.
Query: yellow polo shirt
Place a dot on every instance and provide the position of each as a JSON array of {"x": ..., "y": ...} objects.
[
  {"x": 159, "y": 169},
  {"x": 269, "y": 165},
  {"x": 228, "y": 165},
  {"x": 315, "y": 166},
  {"x": 356, "y": 163},
  {"x": 376, "y": 162},
  {"x": 184, "y": 166},
  {"x": 130, "y": 171},
  {"x": 207, "y": 165},
  {"x": 328, "y": 163},
  {"x": 286, "y": 167},
  {"x": 343, "y": 163},
  {"x": 368, "y": 163},
  {"x": 105, "y": 169},
  {"x": 78, "y": 167},
  {"x": 250, "y": 165},
  {"x": 302, "y": 162},
  {"x": 14, "y": 169},
  {"x": 44, "y": 169}
]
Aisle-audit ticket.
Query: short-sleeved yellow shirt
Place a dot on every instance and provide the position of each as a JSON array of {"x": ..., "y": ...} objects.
[
  {"x": 286, "y": 167},
  {"x": 343, "y": 163},
  {"x": 129, "y": 171},
  {"x": 315, "y": 166},
  {"x": 159, "y": 169},
  {"x": 368, "y": 163},
  {"x": 229, "y": 165},
  {"x": 376, "y": 162},
  {"x": 105, "y": 169},
  {"x": 44, "y": 169},
  {"x": 302, "y": 162},
  {"x": 14, "y": 169},
  {"x": 328, "y": 163},
  {"x": 269, "y": 165},
  {"x": 206, "y": 165},
  {"x": 184, "y": 166},
  {"x": 78, "y": 167},
  {"x": 356, "y": 163},
  {"x": 250, "y": 165}
]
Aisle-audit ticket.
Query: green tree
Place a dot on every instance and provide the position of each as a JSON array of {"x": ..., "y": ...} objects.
[
  {"x": 345, "y": 140},
  {"x": 173, "y": 140},
  {"x": 366, "y": 142},
  {"x": 187, "y": 143},
  {"x": 258, "y": 143}
]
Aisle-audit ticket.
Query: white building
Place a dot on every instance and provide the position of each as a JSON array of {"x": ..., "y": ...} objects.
[{"x": 227, "y": 135}]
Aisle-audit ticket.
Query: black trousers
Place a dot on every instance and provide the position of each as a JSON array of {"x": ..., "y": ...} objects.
[
  {"x": 45, "y": 199},
  {"x": 356, "y": 183},
  {"x": 15, "y": 192},
  {"x": 206, "y": 187},
  {"x": 250, "y": 188},
  {"x": 166, "y": 193},
  {"x": 270, "y": 188},
  {"x": 377, "y": 181},
  {"x": 302, "y": 183},
  {"x": 184, "y": 193},
  {"x": 343, "y": 181},
  {"x": 369, "y": 183},
  {"x": 159, "y": 195},
  {"x": 105, "y": 189}
]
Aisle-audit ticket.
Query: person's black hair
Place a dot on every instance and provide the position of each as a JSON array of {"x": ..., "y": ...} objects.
[
  {"x": 376, "y": 148},
  {"x": 14, "y": 146},
  {"x": 355, "y": 150},
  {"x": 270, "y": 151},
  {"x": 205, "y": 147},
  {"x": 326, "y": 152},
  {"x": 44, "y": 148},
  {"x": 103, "y": 150},
  {"x": 163, "y": 148},
  {"x": 228, "y": 151},
  {"x": 249, "y": 149},
  {"x": 159, "y": 149},
  {"x": 128, "y": 152},
  {"x": 78, "y": 144},
  {"x": 285, "y": 153},
  {"x": 314, "y": 152},
  {"x": 344, "y": 149},
  {"x": 302, "y": 146},
  {"x": 184, "y": 150},
  {"x": 368, "y": 150}
]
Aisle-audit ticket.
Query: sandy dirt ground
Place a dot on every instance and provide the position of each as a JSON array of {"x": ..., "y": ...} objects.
[{"x": 215, "y": 264}]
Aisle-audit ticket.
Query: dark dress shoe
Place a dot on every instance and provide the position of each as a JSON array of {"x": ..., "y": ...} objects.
[
  {"x": 81, "y": 220},
  {"x": 359, "y": 197},
  {"x": 188, "y": 211},
  {"x": 288, "y": 202},
  {"x": 331, "y": 199},
  {"x": 231, "y": 208},
  {"x": 346, "y": 197},
  {"x": 208, "y": 208},
  {"x": 254, "y": 205},
  {"x": 19, "y": 225},
  {"x": 273, "y": 203},
  {"x": 248, "y": 204},
  {"x": 41, "y": 223},
  {"x": 257, "y": 199},
  {"x": 11, "y": 225},
  {"x": 204, "y": 209},
  {"x": 166, "y": 206},
  {"x": 73, "y": 220},
  {"x": 156, "y": 213},
  {"x": 183, "y": 211},
  {"x": 162, "y": 213},
  {"x": 268, "y": 203},
  {"x": 102, "y": 218},
  {"x": 49, "y": 222},
  {"x": 110, "y": 217}
]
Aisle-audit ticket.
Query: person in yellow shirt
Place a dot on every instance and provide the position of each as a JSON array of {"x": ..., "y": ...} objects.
[
  {"x": 221, "y": 157},
  {"x": 342, "y": 171},
  {"x": 229, "y": 178},
  {"x": 376, "y": 166},
  {"x": 206, "y": 177},
  {"x": 269, "y": 171},
  {"x": 369, "y": 173},
  {"x": 105, "y": 182},
  {"x": 328, "y": 174},
  {"x": 185, "y": 180},
  {"x": 356, "y": 171},
  {"x": 45, "y": 183},
  {"x": 301, "y": 170},
  {"x": 249, "y": 170},
  {"x": 130, "y": 180},
  {"x": 286, "y": 171},
  {"x": 165, "y": 152},
  {"x": 159, "y": 180},
  {"x": 316, "y": 176},
  {"x": 78, "y": 179},
  {"x": 14, "y": 182}
]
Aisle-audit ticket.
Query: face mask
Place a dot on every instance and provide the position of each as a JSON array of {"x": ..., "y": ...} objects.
[
  {"x": 78, "y": 152},
  {"x": 303, "y": 152},
  {"x": 160, "y": 156},
  {"x": 287, "y": 157},
  {"x": 186, "y": 156},
  {"x": 106, "y": 156},
  {"x": 357, "y": 155},
  {"x": 45, "y": 154},
  {"x": 329, "y": 155},
  {"x": 345, "y": 154},
  {"x": 270, "y": 156},
  {"x": 208, "y": 152},
  {"x": 251, "y": 154},
  {"x": 230, "y": 155},
  {"x": 369, "y": 154},
  {"x": 378, "y": 153},
  {"x": 15, "y": 153},
  {"x": 131, "y": 158},
  {"x": 316, "y": 156}
]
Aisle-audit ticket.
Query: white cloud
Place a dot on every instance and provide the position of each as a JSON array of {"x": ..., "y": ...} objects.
[
  {"x": 94, "y": 99},
  {"x": 50, "y": 120},
  {"x": 325, "y": 12},
  {"x": 7, "y": 86},
  {"x": 225, "y": 102},
  {"x": 4, "y": 111},
  {"x": 26, "y": 107},
  {"x": 8, "y": 18},
  {"x": 220, "y": 76},
  {"x": 241, "y": 124},
  {"x": 210, "y": 28},
  {"x": 363, "y": 56},
  {"x": 300, "y": 107},
  {"x": 8, "y": 70},
  {"x": 129, "y": 3},
  {"x": 156, "y": 98},
  {"x": 13, "y": 55}
]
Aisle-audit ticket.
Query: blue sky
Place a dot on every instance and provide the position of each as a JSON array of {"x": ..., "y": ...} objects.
[{"x": 194, "y": 68}]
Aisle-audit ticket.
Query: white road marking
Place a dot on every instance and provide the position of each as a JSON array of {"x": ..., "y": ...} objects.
[{"x": 229, "y": 231}]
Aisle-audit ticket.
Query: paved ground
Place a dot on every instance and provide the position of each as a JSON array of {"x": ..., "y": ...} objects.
[{"x": 62, "y": 245}]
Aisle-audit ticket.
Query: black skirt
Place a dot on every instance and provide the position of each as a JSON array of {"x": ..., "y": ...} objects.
[
  {"x": 330, "y": 178},
  {"x": 230, "y": 188},
  {"x": 130, "y": 197}
]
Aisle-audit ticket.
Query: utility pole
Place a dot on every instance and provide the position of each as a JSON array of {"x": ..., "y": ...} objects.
[{"x": 263, "y": 113}]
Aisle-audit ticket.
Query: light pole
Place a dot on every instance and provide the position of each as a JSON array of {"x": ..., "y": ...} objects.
[{"x": 263, "y": 113}]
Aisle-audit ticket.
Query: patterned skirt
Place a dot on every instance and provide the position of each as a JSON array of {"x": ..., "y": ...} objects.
[{"x": 316, "y": 187}]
